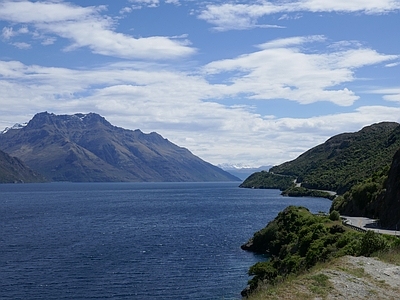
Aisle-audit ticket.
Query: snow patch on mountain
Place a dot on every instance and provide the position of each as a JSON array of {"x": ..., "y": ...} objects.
[
  {"x": 15, "y": 126},
  {"x": 241, "y": 170}
]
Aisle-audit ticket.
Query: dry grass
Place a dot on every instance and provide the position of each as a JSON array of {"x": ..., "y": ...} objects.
[
  {"x": 392, "y": 256},
  {"x": 309, "y": 285},
  {"x": 321, "y": 282}
]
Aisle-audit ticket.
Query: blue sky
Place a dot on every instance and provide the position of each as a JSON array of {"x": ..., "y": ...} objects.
[{"x": 236, "y": 82}]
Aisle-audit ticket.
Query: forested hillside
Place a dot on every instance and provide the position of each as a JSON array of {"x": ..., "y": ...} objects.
[
  {"x": 268, "y": 180},
  {"x": 377, "y": 197},
  {"x": 345, "y": 159}
]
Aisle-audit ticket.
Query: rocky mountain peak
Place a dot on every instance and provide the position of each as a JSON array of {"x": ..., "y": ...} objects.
[
  {"x": 86, "y": 147},
  {"x": 76, "y": 121}
]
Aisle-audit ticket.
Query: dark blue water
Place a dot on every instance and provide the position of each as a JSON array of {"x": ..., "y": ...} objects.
[{"x": 131, "y": 240}]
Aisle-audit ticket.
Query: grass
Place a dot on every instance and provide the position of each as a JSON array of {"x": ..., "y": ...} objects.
[
  {"x": 315, "y": 283},
  {"x": 306, "y": 286},
  {"x": 391, "y": 256},
  {"x": 358, "y": 272},
  {"x": 319, "y": 284}
]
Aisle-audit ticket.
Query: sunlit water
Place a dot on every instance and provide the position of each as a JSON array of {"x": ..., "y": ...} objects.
[{"x": 132, "y": 240}]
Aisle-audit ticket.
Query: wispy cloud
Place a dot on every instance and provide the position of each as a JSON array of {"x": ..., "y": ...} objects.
[
  {"x": 389, "y": 94},
  {"x": 147, "y": 3},
  {"x": 7, "y": 33},
  {"x": 245, "y": 15},
  {"x": 283, "y": 69},
  {"x": 21, "y": 45},
  {"x": 391, "y": 65},
  {"x": 138, "y": 4},
  {"x": 88, "y": 27}
]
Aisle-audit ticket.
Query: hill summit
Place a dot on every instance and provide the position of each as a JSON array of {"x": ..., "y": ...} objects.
[{"x": 87, "y": 148}]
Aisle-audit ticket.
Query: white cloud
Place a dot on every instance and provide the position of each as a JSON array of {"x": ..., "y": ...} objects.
[
  {"x": 393, "y": 65},
  {"x": 228, "y": 16},
  {"x": 290, "y": 17},
  {"x": 152, "y": 3},
  {"x": 292, "y": 41},
  {"x": 282, "y": 70},
  {"x": 86, "y": 27},
  {"x": 389, "y": 94},
  {"x": 125, "y": 10},
  {"x": 42, "y": 12},
  {"x": 236, "y": 16},
  {"x": 369, "y": 7},
  {"x": 22, "y": 45},
  {"x": 23, "y": 30},
  {"x": 48, "y": 41},
  {"x": 392, "y": 97},
  {"x": 148, "y": 3},
  {"x": 7, "y": 33},
  {"x": 175, "y": 2}
]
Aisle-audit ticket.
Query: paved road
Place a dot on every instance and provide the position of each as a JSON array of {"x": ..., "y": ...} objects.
[
  {"x": 368, "y": 224},
  {"x": 298, "y": 184}
]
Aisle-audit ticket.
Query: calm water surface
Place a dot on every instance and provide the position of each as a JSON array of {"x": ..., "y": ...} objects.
[{"x": 132, "y": 240}]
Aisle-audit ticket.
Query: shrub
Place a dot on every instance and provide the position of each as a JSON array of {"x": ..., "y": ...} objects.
[
  {"x": 334, "y": 215},
  {"x": 372, "y": 242}
]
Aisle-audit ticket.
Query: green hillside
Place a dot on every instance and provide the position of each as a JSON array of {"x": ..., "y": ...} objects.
[
  {"x": 345, "y": 159},
  {"x": 297, "y": 240},
  {"x": 268, "y": 180}
]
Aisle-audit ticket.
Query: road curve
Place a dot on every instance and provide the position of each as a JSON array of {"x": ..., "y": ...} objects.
[{"x": 368, "y": 224}]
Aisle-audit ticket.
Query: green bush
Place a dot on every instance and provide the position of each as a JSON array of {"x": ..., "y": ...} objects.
[
  {"x": 372, "y": 242},
  {"x": 334, "y": 215},
  {"x": 296, "y": 240}
]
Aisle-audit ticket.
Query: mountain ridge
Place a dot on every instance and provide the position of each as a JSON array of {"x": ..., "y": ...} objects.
[
  {"x": 13, "y": 170},
  {"x": 86, "y": 147},
  {"x": 344, "y": 159}
]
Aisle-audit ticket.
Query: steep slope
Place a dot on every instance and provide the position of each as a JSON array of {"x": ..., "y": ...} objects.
[
  {"x": 86, "y": 147},
  {"x": 389, "y": 206},
  {"x": 345, "y": 159},
  {"x": 12, "y": 170}
]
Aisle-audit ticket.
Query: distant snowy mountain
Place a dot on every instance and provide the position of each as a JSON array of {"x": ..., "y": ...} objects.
[
  {"x": 242, "y": 171},
  {"x": 15, "y": 126}
]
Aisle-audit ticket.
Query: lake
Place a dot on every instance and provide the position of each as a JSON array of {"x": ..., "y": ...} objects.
[{"x": 132, "y": 240}]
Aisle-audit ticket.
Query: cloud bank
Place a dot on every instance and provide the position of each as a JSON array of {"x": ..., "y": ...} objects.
[
  {"x": 245, "y": 15},
  {"x": 86, "y": 27},
  {"x": 183, "y": 106}
]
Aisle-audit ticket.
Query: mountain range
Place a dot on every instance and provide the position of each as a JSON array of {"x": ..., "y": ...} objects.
[{"x": 87, "y": 148}]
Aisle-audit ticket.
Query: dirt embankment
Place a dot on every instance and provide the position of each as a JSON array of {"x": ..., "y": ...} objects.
[
  {"x": 347, "y": 278},
  {"x": 363, "y": 278}
]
